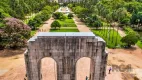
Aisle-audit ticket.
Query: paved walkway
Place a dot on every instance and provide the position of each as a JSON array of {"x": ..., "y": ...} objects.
[
  {"x": 80, "y": 25},
  {"x": 121, "y": 32},
  {"x": 113, "y": 75},
  {"x": 46, "y": 27}
]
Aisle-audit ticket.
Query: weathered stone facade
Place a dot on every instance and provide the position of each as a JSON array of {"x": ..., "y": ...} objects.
[{"x": 66, "y": 49}]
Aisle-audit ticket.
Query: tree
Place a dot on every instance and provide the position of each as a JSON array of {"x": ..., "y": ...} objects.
[
  {"x": 70, "y": 5},
  {"x": 15, "y": 33},
  {"x": 97, "y": 24},
  {"x": 125, "y": 21},
  {"x": 130, "y": 39},
  {"x": 57, "y": 15},
  {"x": 133, "y": 6},
  {"x": 48, "y": 8},
  {"x": 56, "y": 24},
  {"x": 32, "y": 23},
  {"x": 63, "y": 17},
  {"x": 77, "y": 9},
  {"x": 45, "y": 15},
  {"x": 70, "y": 15}
]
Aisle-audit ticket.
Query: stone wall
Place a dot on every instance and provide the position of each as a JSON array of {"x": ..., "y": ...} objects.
[{"x": 66, "y": 50}]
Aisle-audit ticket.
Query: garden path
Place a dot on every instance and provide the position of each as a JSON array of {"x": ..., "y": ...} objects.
[
  {"x": 80, "y": 25},
  {"x": 46, "y": 26}
]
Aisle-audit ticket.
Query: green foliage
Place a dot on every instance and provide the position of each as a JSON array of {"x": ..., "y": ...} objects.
[
  {"x": 70, "y": 15},
  {"x": 55, "y": 7},
  {"x": 139, "y": 43},
  {"x": 70, "y": 5},
  {"x": 63, "y": 17},
  {"x": 48, "y": 8},
  {"x": 136, "y": 18},
  {"x": 111, "y": 37},
  {"x": 56, "y": 24},
  {"x": 67, "y": 23},
  {"x": 125, "y": 21},
  {"x": 3, "y": 14},
  {"x": 2, "y": 25},
  {"x": 45, "y": 15},
  {"x": 128, "y": 30},
  {"x": 91, "y": 19},
  {"x": 97, "y": 24},
  {"x": 77, "y": 9},
  {"x": 20, "y": 8},
  {"x": 130, "y": 39},
  {"x": 57, "y": 15},
  {"x": 33, "y": 32},
  {"x": 133, "y": 6},
  {"x": 40, "y": 18}
]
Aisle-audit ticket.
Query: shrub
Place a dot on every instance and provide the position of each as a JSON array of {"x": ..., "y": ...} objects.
[
  {"x": 39, "y": 19},
  {"x": 130, "y": 39},
  {"x": 56, "y": 24}
]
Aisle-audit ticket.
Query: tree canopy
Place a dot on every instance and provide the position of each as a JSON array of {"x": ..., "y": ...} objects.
[{"x": 14, "y": 34}]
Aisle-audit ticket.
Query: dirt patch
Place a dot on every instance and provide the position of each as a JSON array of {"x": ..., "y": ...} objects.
[
  {"x": 132, "y": 56},
  {"x": 11, "y": 64},
  {"x": 11, "y": 52}
]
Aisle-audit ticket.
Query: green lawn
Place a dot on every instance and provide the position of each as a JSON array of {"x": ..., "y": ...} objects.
[
  {"x": 111, "y": 37},
  {"x": 67, "y": 23},
  {"x": 64, "y": 30}
]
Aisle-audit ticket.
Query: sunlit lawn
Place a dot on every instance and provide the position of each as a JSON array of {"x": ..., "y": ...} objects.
[
  {"x": 111, "y": 36},
  {"x": 67, "y": 23}
]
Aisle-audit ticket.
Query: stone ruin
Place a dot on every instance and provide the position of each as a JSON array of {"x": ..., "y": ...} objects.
[{"x": 66, "y": 48}]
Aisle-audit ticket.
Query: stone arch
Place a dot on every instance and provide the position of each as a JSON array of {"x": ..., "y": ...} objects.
[
  {"x": 66, "y": 49},
  {"x": 92, "y": 67},
  {"x": 77, "y": 65},
  {"x": 54, "y": 63}
]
